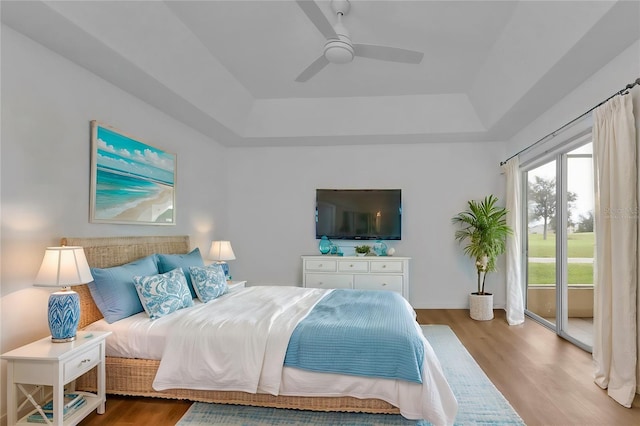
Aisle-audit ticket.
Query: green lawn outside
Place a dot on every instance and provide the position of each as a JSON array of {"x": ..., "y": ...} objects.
[
  {"x": 578, "y": 245},
  {"x": 545, "y": 273}
]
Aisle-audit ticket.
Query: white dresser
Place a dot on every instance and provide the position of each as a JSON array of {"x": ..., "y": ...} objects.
[{"x": 365, "y": 273}]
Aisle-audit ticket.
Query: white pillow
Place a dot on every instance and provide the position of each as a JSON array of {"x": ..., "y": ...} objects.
[
  {"x": 162, "y": 294},
  {"x": 209, "y": 282}
]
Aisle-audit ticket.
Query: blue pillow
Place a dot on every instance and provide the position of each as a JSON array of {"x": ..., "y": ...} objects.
[
  {"x": 209, "y": 282},
  {"x": 113, "y": 291},
  {"x": 162, "y": 294},
  {"x": 169, "y": 262}
]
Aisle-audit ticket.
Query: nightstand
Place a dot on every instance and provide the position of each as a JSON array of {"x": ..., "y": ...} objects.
[
  {"x": 233, "y": 285},
  {"x": 43, "y": 363}
]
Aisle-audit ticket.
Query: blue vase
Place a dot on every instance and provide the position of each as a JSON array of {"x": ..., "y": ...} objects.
[
  {"x": 325, "y": 245},
  {"x": 380, "y": 248}
]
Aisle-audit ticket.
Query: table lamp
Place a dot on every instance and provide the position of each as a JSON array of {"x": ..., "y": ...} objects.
[
  {"x": 63, "y": 267},
  {"x": 221, "y": 251}
]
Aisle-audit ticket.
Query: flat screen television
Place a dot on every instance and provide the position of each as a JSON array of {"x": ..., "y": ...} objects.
[{"x": 359, "y": 214}]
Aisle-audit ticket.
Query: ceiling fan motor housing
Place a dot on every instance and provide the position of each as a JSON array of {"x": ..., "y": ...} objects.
[{"x": 339, "y": 51}]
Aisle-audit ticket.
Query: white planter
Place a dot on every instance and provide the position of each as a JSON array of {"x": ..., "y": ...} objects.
[{"x": 481, "y": 306}]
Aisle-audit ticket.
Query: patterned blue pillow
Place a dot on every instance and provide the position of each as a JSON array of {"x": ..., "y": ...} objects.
[
  {"x": 208, "y": 282},
  {"x": 163, "y": 293}
]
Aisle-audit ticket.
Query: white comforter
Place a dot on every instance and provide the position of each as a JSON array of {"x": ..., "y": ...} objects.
[
  {"x": 247, "y": 333},
  {"x": 236, "y": 346}
]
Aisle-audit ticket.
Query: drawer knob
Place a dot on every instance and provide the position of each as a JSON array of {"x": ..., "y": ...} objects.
[
  {"x": 84, "y": 361},
  {"x": 384, "y": 266},
  {"x": 383, "y": 284},
  {"x": 351, "y": 266}
]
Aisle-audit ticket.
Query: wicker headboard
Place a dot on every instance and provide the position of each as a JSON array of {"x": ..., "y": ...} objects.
[{"x": 104, "y": 252}]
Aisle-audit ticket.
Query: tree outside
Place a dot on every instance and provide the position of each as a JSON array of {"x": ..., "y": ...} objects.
[
  {"x": 542, "y": 203},
  {"x": 585, "y": 223}
]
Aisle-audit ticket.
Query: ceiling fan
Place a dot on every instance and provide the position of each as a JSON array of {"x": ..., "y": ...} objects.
[{"x": 339, "y": 49}]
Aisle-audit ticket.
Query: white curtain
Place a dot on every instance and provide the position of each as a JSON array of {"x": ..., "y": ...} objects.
[
  {"x": 616, "y": 259},
  {"x": 515, "y": 301}
]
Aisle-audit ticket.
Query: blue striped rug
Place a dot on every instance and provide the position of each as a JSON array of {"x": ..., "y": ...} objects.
[{"x": 479, "y": 402}]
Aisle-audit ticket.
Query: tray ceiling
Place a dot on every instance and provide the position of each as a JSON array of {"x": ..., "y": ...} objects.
[{"x": 228, "y": 68}]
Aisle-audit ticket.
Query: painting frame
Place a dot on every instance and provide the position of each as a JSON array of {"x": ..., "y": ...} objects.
[{"x": 132, "y": 182}]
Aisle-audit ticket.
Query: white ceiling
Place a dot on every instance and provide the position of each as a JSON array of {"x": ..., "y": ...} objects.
[{"x": 227, "y": 68}]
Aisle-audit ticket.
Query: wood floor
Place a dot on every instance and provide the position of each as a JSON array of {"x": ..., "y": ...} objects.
[{"x": 546, "y": 379}]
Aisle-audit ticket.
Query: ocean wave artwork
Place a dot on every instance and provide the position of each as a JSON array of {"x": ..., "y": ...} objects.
[{"x": 132, "y": 182}]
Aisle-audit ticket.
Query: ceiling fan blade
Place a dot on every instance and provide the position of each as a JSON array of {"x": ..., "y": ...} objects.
[
  {"x": 313, "y": 12},
  {"x": 313, "y": 69},
  {"x": 385, "y": 53}
]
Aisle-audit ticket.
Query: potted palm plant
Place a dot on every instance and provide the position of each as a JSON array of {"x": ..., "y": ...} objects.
[{"x": 484, "y": 230}]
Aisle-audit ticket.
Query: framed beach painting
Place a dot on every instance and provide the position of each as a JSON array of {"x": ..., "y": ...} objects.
[{"x": 131, "y": 182}]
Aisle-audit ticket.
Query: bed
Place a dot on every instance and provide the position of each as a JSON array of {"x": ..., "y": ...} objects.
[{"x": 129, "y": 373}]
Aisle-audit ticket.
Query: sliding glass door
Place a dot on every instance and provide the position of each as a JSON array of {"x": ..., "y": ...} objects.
[
  {"x": 578, "y": 314},
  {"x": 560, "y": 242},
  {"x": 541, "y": 242}
]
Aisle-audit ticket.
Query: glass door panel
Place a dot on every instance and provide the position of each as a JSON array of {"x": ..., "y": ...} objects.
[
  {"x": 541, "y": 242},
  {"x": 578, "y": 316}
]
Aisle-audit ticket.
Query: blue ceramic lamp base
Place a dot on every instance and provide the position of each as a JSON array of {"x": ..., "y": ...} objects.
[
  {"x": 225, "y": 268},
  {"x": 64, "y": 315}
]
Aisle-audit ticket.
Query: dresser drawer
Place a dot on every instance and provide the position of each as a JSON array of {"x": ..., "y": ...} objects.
[
  {"x": 81, "y": 363},
  {"x": 386, "y": 266},
  {"x": 353, "y": 266},
  {"x": 328, "y": 265},
  {"x": 328, "y": 280},
  {"x": 379, "y": 282}
]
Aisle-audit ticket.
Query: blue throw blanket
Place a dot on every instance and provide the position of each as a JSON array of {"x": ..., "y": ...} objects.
[{"x": 361, "y": 333}]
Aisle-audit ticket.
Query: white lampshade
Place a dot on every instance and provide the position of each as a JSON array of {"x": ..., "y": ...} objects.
[
  {"x": 221, "y": 250},
  {"x": 63, "y": 267}
]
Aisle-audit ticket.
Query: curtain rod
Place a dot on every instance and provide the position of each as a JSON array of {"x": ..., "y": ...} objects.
[{"x": 624, "y": 91}]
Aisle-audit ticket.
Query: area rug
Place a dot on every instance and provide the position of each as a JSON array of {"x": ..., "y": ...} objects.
[{"x": 479, "y": 402}]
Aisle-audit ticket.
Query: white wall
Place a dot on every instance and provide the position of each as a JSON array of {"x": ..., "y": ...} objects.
[
  {"x": 271, "y": 204},
  {"x": 47, "y": 104}
]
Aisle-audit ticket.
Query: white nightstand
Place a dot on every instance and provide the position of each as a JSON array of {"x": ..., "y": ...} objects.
[
  {"x": 233, "y": 285},
  {"x": 43, "y": 363}
]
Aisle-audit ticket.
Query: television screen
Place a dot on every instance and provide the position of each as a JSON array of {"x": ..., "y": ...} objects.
[{"x": 358, "y": 214}]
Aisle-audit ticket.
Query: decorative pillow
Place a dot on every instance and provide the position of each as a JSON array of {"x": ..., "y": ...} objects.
[
  {"x": 168, "y": 262},
  {"x": 113, "y": 291},
  {"x": 162, "y": 294},
  {"x": 209, "y": 282}
]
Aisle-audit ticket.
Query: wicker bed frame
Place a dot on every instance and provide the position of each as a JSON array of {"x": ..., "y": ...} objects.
[{"x": 127, "y": 376}]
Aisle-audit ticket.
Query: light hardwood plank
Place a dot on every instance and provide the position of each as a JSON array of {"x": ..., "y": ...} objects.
[{"x": 546, "y": 379}]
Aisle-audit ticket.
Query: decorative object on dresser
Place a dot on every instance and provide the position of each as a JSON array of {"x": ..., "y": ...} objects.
[
  {"x": 484, "y": 228},
  {"x": 63, "y": 267},
  {"x": 324, "y": 245},
  {"x": 131, "y": 181},
  {"x": 380, "y": 248},
  {"x": 221, "y": 251},
  {"x": 362, "y": 250},
  {"x": 368, "y": 273}
]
